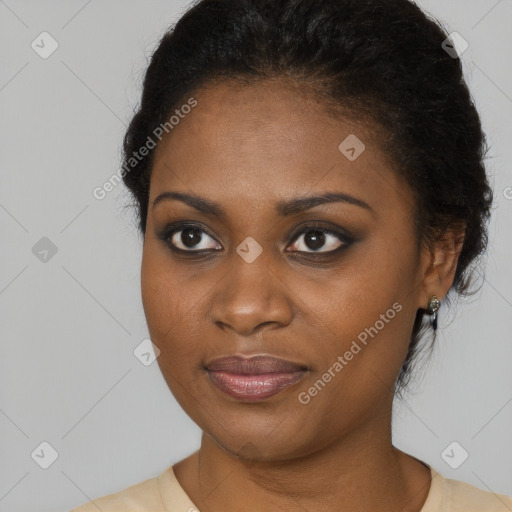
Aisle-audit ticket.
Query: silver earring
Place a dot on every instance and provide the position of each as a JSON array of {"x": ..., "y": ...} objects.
[{"x": 432, "y": 308}]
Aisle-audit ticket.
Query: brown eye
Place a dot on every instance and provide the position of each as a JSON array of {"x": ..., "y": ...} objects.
[
  {"x": 191, "y": 239},
  {"x": 313, "y": 239}
]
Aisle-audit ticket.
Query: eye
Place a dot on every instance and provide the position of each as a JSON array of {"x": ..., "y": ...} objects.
[
  {"x": 317, "y": 239},
  {"x": 190, "y": 239},
  {"x": 312, "y": 239}
]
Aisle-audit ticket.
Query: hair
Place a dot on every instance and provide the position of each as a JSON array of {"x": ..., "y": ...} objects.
[{"x": 378, "y": 60}]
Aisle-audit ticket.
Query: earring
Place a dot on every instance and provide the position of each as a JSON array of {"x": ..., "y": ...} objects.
[{"x": 432, "y": 308}]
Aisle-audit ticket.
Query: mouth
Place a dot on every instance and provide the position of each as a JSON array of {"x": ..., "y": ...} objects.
[{"x": 254, "y": 378}]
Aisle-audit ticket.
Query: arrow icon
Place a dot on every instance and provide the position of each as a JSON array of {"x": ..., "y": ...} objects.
[
  {"x": 44, "y": 250},
  {"x": 44, "y": 455},
  {"x": 352, "y": 147},
  {"x": 44, "y": 45},
  {"x": 249, "y": 249},
  {"x": 454, "y": 455},
  {"x": 455, "y": 45},
  {"x": 146, "y": 352}
]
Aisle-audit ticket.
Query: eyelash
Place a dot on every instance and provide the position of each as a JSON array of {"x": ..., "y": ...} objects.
[{"x": 172, "y": 229}]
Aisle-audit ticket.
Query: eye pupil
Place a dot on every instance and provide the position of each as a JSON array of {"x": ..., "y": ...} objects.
[
  {"x": 314, "y": 239},
  {"x": 191, "y": 236}
]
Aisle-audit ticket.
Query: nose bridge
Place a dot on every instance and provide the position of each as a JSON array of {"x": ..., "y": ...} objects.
[{"x": 250, "y": 294}]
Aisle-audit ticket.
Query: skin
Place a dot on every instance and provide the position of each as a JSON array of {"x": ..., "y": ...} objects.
[{"x": 247, "y": 148}]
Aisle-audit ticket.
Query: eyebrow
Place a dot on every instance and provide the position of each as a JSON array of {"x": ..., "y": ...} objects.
[{"x": 284, "y": 208}]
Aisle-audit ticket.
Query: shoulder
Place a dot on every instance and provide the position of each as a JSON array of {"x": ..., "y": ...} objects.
[
  {"x": 141, "y": 497},
  {"x": 457, "y": 496},
  {"x": 160, "y": 494},
  {"x": 463, "y": 496}
]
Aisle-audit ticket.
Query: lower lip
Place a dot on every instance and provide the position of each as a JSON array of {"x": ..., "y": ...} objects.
[{"x": 254, "y": 387}]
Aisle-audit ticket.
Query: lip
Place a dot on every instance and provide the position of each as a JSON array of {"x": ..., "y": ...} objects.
[
  {"x": 254, "y": 365},
  {"x": 254, "y": 378}
]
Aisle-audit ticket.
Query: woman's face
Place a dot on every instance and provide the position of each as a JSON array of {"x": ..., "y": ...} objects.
[{"x": 340, "y": 304}]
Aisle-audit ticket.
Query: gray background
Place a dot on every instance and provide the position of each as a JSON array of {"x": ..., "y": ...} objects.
[{"x": 69, "y": 325}]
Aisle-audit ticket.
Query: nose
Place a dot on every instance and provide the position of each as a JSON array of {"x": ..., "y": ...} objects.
[{"x": 250, "y": 298}]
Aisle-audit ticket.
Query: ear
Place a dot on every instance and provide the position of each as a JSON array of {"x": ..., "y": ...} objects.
[{"x": 440, "y": 263}]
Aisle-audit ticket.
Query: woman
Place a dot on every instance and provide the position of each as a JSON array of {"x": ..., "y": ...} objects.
[{"x": 310, "y": 187}]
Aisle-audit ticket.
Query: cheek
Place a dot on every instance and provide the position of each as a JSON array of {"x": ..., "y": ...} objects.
[
  {"x": 156, "y": 299},
  {"x": 366, "y": 304},
  {"x": 171, "y": 304},
  {"x": 367, "y": 327}
]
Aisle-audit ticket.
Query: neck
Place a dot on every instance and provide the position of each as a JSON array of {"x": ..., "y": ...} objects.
[{"x": 362, "y": 470}]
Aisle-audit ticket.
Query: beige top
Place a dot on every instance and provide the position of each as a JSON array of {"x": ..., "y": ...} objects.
[{"x": 165, "y": 494}]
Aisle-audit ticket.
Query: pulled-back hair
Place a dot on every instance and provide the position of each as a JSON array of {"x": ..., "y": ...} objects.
[{"x": 378, "y": 60}]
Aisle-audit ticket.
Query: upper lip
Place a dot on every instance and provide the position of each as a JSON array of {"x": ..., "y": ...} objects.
[{"x": 254, "y": 365}]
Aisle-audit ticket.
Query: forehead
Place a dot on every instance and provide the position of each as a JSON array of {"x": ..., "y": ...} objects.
[{"x": 271, "y": 140}]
